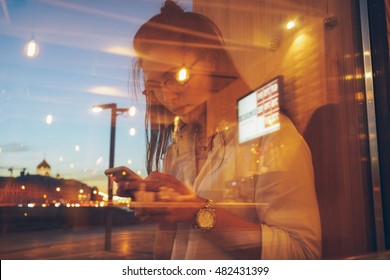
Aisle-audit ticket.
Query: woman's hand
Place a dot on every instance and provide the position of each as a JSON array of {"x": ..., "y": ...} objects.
[
  {"x": 156, "y": 180},
  {"x": 174, "y": 202},
  {"x": 127, "y": 187}
]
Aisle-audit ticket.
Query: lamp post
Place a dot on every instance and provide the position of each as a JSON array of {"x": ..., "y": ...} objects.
[{"x": 115, "y": 111}]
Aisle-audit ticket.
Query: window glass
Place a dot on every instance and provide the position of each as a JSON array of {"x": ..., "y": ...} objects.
[{"x": 301, "y": 61}]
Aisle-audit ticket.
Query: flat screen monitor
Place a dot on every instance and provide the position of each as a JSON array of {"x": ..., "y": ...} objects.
[{"x": 258, "y": 111}]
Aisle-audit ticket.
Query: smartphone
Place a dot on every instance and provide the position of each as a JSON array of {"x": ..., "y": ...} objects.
[{"x": 122, "y": 173}]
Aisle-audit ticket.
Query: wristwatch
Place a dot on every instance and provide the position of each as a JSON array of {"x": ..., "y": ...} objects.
[{"x": 206, "y": 217}]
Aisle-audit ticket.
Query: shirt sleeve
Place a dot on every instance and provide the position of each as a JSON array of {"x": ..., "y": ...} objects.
[{"x": 285, "y": 192}]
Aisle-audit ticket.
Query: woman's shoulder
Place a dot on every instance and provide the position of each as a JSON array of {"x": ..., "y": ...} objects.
[{"x": 287, "y": 130}]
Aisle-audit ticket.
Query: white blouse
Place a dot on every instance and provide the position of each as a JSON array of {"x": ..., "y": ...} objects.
[{"x": 270, "y": 183}]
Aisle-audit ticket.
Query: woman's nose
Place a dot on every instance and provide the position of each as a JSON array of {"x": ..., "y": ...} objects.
[{"x": 172, "y": 95}]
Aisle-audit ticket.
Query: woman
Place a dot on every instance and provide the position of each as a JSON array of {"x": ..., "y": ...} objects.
[{"x": 194, "y": 161}]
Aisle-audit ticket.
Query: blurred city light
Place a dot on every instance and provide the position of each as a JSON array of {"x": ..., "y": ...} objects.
[
  {"x": 31, "y": 49},
  {"x": 49, "y": 119},
  {"x": 132, "y": 131}
]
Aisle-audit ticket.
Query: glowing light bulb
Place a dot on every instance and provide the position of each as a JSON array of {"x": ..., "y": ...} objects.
[
  {"x": 182, "y": 75},
  {"x": 290, "y": 25}
]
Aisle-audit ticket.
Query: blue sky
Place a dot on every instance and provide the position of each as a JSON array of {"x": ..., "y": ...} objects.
[{"x": 84, "y": 60}]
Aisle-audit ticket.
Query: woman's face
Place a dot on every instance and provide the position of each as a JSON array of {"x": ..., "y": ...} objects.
[{"x": 161, "y": 67}]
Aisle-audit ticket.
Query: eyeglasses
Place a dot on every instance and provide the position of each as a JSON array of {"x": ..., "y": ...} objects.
[
  {"x": 178, "y": 81},
  {"x": 175, "y": 81},
  {"x": 152, "y": 87}
]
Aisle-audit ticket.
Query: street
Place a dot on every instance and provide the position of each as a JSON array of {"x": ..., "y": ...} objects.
[{"x": 132, "y": 242}]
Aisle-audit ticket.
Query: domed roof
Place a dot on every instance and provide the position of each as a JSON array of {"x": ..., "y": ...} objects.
[{"x": 43, "y": 164}]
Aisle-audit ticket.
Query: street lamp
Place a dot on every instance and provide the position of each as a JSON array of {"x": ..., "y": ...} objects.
[{"x": 115, "y": 111}]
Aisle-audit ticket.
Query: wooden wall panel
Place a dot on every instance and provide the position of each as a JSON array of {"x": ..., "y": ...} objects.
[
  {"x": 248, "y": 26},
  {"x": 323, "y": 92}
]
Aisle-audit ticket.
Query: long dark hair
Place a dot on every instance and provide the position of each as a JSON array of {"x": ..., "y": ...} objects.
[{"x": 173, "y": 27}]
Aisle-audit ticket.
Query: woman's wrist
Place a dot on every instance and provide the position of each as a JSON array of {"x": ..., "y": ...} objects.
[{"x": 205, "y": 218}]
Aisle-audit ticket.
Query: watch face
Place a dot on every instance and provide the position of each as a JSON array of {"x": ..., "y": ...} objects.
[{"x": 205, "y": 218}]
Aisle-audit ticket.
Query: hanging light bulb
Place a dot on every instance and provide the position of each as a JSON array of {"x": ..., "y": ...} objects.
[
  {"x": 290, "y": 24},
  {"x": 31, "y": 49},
  {"x": 182, "y": 75}
]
